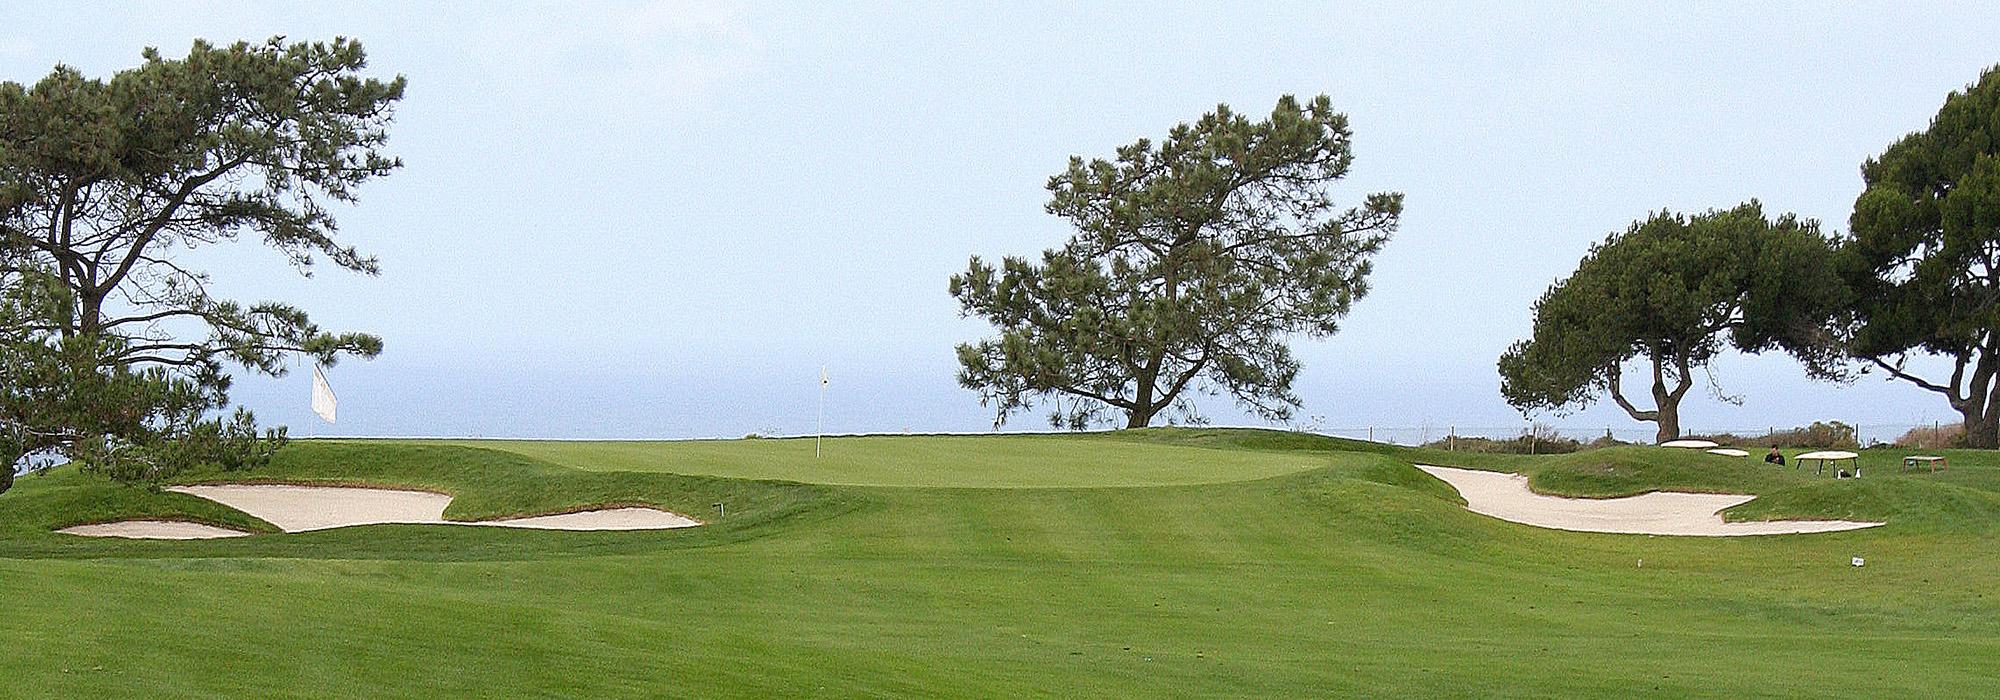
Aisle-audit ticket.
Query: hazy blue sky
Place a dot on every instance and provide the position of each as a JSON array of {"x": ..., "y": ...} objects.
[{"x": 660, "y": 219}]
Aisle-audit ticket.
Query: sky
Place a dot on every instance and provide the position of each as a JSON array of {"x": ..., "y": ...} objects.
[{"x": 662, "y": 219}]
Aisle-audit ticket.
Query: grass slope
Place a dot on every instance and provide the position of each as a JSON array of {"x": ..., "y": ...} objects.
[{"x": 1359, "y": 577}]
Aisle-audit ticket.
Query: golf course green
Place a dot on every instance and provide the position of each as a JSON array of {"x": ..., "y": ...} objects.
[{"x": 1161, "y": 562}]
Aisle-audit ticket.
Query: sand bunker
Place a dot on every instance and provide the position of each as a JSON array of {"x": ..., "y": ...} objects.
[
  {"x": 1506, "y": 496},
  {"x": 154, "y": 530},
  {"x": 631, "y": 518},
  {"x": 307, "y": 508}
]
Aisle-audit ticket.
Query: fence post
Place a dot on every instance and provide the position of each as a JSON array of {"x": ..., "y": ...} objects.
[
  {"x": 1451, "y": 442},
  {"x": 1371, "y": 433}
]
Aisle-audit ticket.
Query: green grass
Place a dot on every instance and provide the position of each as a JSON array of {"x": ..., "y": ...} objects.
[
  {"x": 1359, "y": 576},
  {"x": 984, "y": 461}
]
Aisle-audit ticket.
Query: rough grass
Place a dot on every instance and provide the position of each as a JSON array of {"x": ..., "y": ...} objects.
[{"x": 1358, "y": 577}]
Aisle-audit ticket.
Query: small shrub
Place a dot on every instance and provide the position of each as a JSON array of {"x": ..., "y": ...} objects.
[
  {"x": 1932, "y": 437},
  {"x": 1824, "y": 435},
  {"x": 1536, "y": 439},
  {"x": 1607, "y": 441}
]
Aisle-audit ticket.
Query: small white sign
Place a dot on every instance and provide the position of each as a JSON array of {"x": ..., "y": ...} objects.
[{"x": 1857, "y": 561}]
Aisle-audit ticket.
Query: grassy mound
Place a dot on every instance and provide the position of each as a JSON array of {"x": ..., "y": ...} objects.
[
  {"x": 484, "y": 484},
  {"x": 1247, "y": 439},
  {"x": 1628, "y": 471},
  {"x": 488, "y": 484},
  {"x": 63, "y": 497},
  {"x": 1910, "y": 503}
]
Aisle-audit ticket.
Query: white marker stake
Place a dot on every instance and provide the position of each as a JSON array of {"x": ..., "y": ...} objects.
[
  {"x": 822, "y": 412},
  {"x": 323, "y": 402}
]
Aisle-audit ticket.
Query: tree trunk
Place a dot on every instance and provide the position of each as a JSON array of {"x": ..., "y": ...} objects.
[
  {"x": 90, "y": 312},
  {"x": 1982, "y": 426},
  {"x": 6, "y": 475},
  {"x": 1669, "y": 418},
  {"x": 1140, "y": 417},
  {"x": 1981, "y": 431},
  {"x": 1143, "y": 407},
  {"x": 1667, "y": 401},
  {"x": 1982, "y": 398}
]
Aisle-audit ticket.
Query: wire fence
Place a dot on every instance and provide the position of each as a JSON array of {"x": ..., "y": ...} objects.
[{"x": 1442, "y": 434}]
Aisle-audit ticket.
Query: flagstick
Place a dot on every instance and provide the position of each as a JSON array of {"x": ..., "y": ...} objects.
[{"x": 822, "y": 412}]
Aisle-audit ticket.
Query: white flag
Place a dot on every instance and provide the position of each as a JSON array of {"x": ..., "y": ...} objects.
[{"x": 323, "y": 401}]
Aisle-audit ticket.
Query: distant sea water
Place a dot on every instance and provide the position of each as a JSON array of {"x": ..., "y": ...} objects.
[
  {"x": 384, "y": 399},
  {"x": 1406, "y": 403}
]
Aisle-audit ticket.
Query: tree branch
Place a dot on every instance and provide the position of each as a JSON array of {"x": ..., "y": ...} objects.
[
  {"x": 1951, "y": 392},
  {"x": 1618, "y": 395},
  {"x": 1120, "y": 403},
  {"x": 160, "y": 220}
]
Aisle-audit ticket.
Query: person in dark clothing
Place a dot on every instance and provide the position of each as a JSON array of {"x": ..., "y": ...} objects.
[{"x": 1774, "y": 457}]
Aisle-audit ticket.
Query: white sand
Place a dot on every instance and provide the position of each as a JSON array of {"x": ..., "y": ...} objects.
[
  {"x": 1506, "y": 496},
  {"x": 154, "y": 530},
  {"x": 630, "y": 518},
  {"x": 306, "y": 508}
]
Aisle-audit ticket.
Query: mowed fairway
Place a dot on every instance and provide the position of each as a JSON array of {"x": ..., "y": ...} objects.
[
  {"x": 1358, "y": 576},
  {"x": 984, "y": 461}
]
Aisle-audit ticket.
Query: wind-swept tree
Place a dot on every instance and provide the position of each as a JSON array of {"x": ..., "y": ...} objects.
[
  {"x": 1674, "y": 292},
  {"x": 112, "y": 345},
  {"x": 12, "y": 443},
  {"x": 1923, "y": 256},
  {"x": 1194, "y": 260}
]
